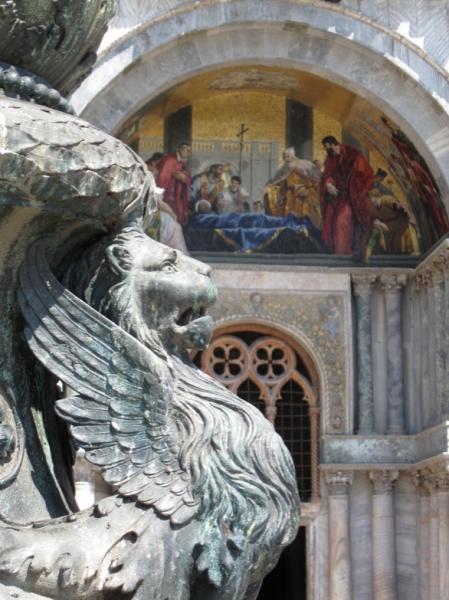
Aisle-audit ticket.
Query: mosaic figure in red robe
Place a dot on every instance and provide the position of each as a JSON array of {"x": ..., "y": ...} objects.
[
  {"x": 174, "y": 178},
  {"x": 345, "y": 205}
]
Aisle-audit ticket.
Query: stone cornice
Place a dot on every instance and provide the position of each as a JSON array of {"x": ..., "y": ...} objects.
[
  {"x": 393, "y": 451},
  {"x": 433, "y": 266}
]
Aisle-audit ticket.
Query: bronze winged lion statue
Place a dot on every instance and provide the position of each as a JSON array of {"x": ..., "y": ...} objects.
[{"x": 205, "y": 496}]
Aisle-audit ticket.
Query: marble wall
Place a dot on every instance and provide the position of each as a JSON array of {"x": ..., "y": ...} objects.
[{"x": 380, "y": 529}]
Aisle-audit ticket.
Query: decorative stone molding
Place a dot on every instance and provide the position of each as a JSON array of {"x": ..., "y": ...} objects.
[
  {"x": 435, "y": 476},
  {"x": 439, "y": 268},
  {"x": 383, "y": 481},
  {"x": 338, "y": 482},
  {"x": 423, "y": 281}
]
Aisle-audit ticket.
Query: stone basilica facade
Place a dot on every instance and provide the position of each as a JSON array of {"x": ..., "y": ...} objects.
[{"x": 347, "y": 354}]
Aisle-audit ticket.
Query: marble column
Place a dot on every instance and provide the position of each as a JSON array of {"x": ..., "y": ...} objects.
[
  {"x": 423, "y": 359},
  {"x": 384, "y": 546},
  {"x": 438, "y": 332},
  {"x": 445, "y": 409},
  {"x": 314, "y": 414},
  {"x": 363, "y": 287},
  {"x": 434, "y": 539},
  {"x": 423, "y": 538},
  {"x": 443, "y": 533},
  {"x": 340, "y": 576},
  {"x": 392, "y": 285}
]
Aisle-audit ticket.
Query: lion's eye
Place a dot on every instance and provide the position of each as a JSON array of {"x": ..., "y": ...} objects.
[{"x": 168, "y": 267}]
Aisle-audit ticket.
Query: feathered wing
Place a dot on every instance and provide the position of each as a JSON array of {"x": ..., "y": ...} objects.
[{"x": 121, "y": 413}]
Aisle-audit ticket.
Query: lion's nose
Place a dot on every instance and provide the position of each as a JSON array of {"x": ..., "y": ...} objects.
[
  {"x": 205, "y": 270},
  {"x": 201, "y": 268}
]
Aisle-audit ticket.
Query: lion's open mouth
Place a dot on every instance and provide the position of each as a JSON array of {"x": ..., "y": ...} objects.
[
  {"x": 190, "y": 314},
  {"x": 193, "y": 328}
]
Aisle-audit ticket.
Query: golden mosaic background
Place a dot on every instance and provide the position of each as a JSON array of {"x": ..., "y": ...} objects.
[{"x": 218, "y": 114}]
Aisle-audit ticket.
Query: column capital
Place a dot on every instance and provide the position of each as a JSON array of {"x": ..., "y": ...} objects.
[
  {"x": 420, "y": 482},
  {"x": 363, "y": 285},
  {"x": 383, "y": 480},
  {"x": 436, "y": 477},
  {"x": 338, "y": 482},
  {"x": 428, "y": 481},
  {"x": 393, "y": 283},
  {"x": 423, "y": 280}
]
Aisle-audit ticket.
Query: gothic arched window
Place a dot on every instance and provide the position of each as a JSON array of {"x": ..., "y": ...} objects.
[{"x": 274, "y": 376}]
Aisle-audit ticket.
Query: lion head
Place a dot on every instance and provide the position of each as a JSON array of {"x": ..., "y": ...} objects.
[{"x": 154, "y": 292}]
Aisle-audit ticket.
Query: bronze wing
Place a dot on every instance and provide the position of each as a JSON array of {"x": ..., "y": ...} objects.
[{"x": 121, "y": 413}]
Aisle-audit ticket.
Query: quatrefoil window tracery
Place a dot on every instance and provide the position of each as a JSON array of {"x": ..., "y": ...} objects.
[{"x": 269, "y": 362}]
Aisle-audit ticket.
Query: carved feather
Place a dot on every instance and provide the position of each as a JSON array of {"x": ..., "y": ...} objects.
[{"x": 120, "y": 414}]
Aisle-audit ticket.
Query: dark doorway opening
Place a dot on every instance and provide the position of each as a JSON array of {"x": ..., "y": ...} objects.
[{"x": 288, "y": 581}]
